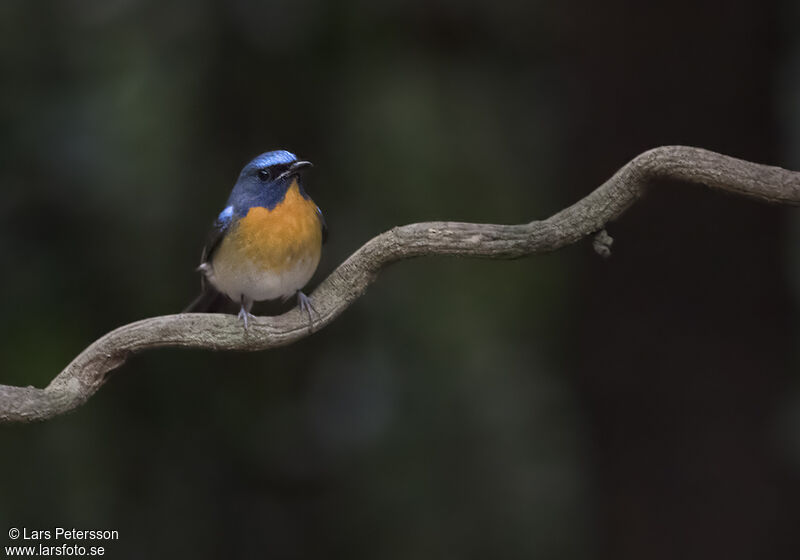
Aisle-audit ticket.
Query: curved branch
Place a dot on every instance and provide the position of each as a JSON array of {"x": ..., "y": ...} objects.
[{"x": 87, "y": 372}]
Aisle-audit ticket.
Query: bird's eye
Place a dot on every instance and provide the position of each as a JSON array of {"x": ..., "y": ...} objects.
[{"x": 264, "y": 174}]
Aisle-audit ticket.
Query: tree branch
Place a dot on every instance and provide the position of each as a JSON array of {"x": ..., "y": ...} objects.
[{"x": 87, "y": 372}]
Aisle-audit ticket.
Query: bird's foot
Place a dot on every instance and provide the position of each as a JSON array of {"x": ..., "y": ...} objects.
[
  {"x": 245, "y": 316},
  {"x": 304, "y": 303}
]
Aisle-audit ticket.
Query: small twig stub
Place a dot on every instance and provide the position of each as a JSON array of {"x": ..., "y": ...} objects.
[{"x": 602, "y": 243}]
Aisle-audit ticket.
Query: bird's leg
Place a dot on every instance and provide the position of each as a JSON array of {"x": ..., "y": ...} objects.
[
  {"x": 244, "y": 312},
  {"x": 304, "y": 302}
]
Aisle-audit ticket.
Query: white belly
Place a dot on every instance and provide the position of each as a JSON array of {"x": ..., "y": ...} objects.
[{"x": 254, "y": 283}]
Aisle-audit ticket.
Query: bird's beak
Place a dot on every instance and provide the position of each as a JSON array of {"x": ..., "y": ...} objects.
[{"x": 295, "y": 168}]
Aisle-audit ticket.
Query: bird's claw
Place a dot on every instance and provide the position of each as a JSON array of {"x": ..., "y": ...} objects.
[
  {"x": 245, "y": 316},
  {"x": 304, "y": 303}
]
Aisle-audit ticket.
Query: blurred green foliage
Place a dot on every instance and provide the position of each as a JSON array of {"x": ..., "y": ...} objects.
[
  {"x": 428, "y": 422},
  {"x": 438, "y": 417}
]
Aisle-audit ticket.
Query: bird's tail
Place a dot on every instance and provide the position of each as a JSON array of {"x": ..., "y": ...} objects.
[{"x": 209, "y": 301}]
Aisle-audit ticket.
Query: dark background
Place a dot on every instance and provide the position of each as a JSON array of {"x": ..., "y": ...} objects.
[{"x": 560, "y": 406}]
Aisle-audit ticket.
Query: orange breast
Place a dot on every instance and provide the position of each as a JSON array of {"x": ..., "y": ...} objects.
[{"x": 276, "y": 239}]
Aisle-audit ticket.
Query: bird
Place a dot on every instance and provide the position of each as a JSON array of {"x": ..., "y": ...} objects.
[{"x": 267, "y": 241}]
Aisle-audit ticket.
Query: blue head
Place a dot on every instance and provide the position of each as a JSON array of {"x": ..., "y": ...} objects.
[{"x": 265, "y": 180}]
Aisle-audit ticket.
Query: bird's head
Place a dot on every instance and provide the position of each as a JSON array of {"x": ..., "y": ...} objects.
[{"x": 265, "y": 180}]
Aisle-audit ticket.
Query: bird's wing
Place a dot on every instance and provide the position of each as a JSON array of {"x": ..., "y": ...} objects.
[
  {"x": 323, "y": 224},
  {"x": 218, "y": 231}
]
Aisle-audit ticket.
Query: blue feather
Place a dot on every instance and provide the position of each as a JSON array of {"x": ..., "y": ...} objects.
[
  {"x": 224, "y": 218},
  {"x": 268, "y": 159}
]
